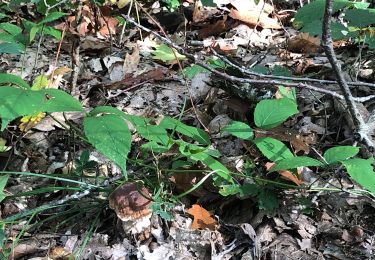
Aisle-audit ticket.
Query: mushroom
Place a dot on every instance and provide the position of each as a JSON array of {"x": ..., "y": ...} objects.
[{"x": 131, "y": 207}]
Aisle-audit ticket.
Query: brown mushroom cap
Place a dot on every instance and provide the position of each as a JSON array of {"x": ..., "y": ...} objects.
[{"x": 128, "y": 203}]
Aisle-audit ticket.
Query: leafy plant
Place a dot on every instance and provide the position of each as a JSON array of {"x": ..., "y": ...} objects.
[{"x": 358, "y": 20}]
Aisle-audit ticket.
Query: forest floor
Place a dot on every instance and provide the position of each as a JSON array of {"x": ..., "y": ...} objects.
[{"x": 315, "y": 215}]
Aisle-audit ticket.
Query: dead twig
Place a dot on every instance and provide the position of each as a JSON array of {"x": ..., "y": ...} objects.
[
  {"x": 254, "y": 82},
  {"x": 362, "y": 130}
]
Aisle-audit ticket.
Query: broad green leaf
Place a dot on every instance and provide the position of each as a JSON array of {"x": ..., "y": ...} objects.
[
  {"x": 11, "y": 48},
  {"x": 193, "y": 70},
  {"x": 52, "y": 31},
  {"x": 240, "y": 130},
  {"x": 136, "y": 121},
  {"x": 155, "y": 147},
  {"x": 40, "y": 82},
  {"x": 273, "y": 149},
  {"x": 231, "y": 189},
  {"x": 281, "y": 71},
  {"x": 3, "y": 182},
  {"x": 272, "y": 112},
  {"x": 268, "y": 200},
  {"x": 288, "y": 93},
  {"x": 6, "y": 37},
  {"x": 213, "y": 164},
  {"x": 295, "y": 162},
  {"x": 340, "y": 153},
  {"x": 154, "y": 133},
  {"x": 361, "y": 170},
  {"x": 315, "y": 11},
  {"x": 16, "y": 102},
  {"x": 52, "y": 17},
  {"x": 11, "y": 28},
  {"x": 2, "y": 15},
  {"x": 195, "y": 133},
  {"x": 34, "y": 30},
  {"x": 360, "y": 17},
  {"x": 110, "y": 135},
  {"x": 13, "y": 79},
  {"x": 210, "y": 3},
  {"x": 166, "y": 54}
]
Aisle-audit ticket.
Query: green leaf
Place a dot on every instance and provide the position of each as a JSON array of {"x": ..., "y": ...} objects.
[
  {"x": 52, "y": 31},
  {"x": 110, "y": 135},
  {"x": 195, "y": 133},
  {"x": 193, "y": 70},
  {"x": 2, "y": 15},
  {"x": 3, "y": 182},
  {"x": 155, "y": 147},
  {"x": 154, "y": 133},
  {"x": 11, "y": 28},
  {"x": 288, "y": 93},
  {"x": 166, "y": 54},
  {"x": 52, "y": 17},
  {"x": 209, "y": 3},
  {"x": 6, "y": 37},
  {"x": 34, "y": 30},
  {"x": 16, "y": 102},
  {"x": 213, "y": 164},
  {"x": 268, "y": 200},
  {"x": 40, "y": 82},
  {"x": 273, "y": 149},
  {"x": 361, "y": 170},
  {"x": 11, "y": 48},
  {"x": 360, "y": 17},
  {"x": 315, "y": 11},
  {"x": 272, "y": 112},
  {"x": 340, "y": 153},
  {"x": 13, "y": 79},
  {"x": 240, "y": 130},
  {"x": 295, "y": 162}
]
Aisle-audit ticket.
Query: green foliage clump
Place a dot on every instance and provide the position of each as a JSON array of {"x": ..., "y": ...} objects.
[{"x": 356, "y": 20}]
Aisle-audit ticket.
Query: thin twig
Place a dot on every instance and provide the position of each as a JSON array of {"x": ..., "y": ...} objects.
[
  {"x": 327, "y": 44},
  {"x": 255, "y": 82}
]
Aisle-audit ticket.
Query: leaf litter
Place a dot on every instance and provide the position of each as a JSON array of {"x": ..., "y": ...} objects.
[{"x": 142, "y": 78}]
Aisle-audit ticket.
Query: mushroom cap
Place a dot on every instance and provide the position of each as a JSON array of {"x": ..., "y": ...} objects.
[{"x": 128, "y": 203}]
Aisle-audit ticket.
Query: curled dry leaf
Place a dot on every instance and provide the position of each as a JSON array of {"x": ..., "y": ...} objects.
[
  {"x": 255, "y": 18},
  {"x": 285, "y": 174},
  {"x": 202, "y": 218}
]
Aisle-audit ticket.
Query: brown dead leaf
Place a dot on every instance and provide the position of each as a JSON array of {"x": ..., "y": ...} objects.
[
  {"x": 130, "y": 81},
  {"x": 214, "y": 29},
  {"x": 287, "y": 175},
  {"x": 298, "y": 141},
  {"x": 59, "y": 253},
  {"x": 56, "y": 76},
  {"x": 202, "y": 218},
  {"x": 302, "y": 142},
  {"x": 255, "y": 18},
  {"x": 304, "y": 43},
  {"x": 131, "y": 61}
]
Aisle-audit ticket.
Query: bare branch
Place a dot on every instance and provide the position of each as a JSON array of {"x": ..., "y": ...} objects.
[{"x": 361, "y": 128}]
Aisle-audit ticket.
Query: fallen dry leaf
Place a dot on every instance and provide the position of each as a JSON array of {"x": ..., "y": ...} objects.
[
  {"x": 132, "y": 60},
  {"x": 202, "y": 218},
  {"x": 213, "y": 29},
  {"x": 255, "y": 18},
  {"x": 287, "y": 175},
  {"x": 304, "y": 43}
]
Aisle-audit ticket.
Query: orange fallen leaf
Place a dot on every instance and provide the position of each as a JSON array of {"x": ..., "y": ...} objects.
[
  {"x": 285, "y": 174},
  {"x": 202, "y": 218}
]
